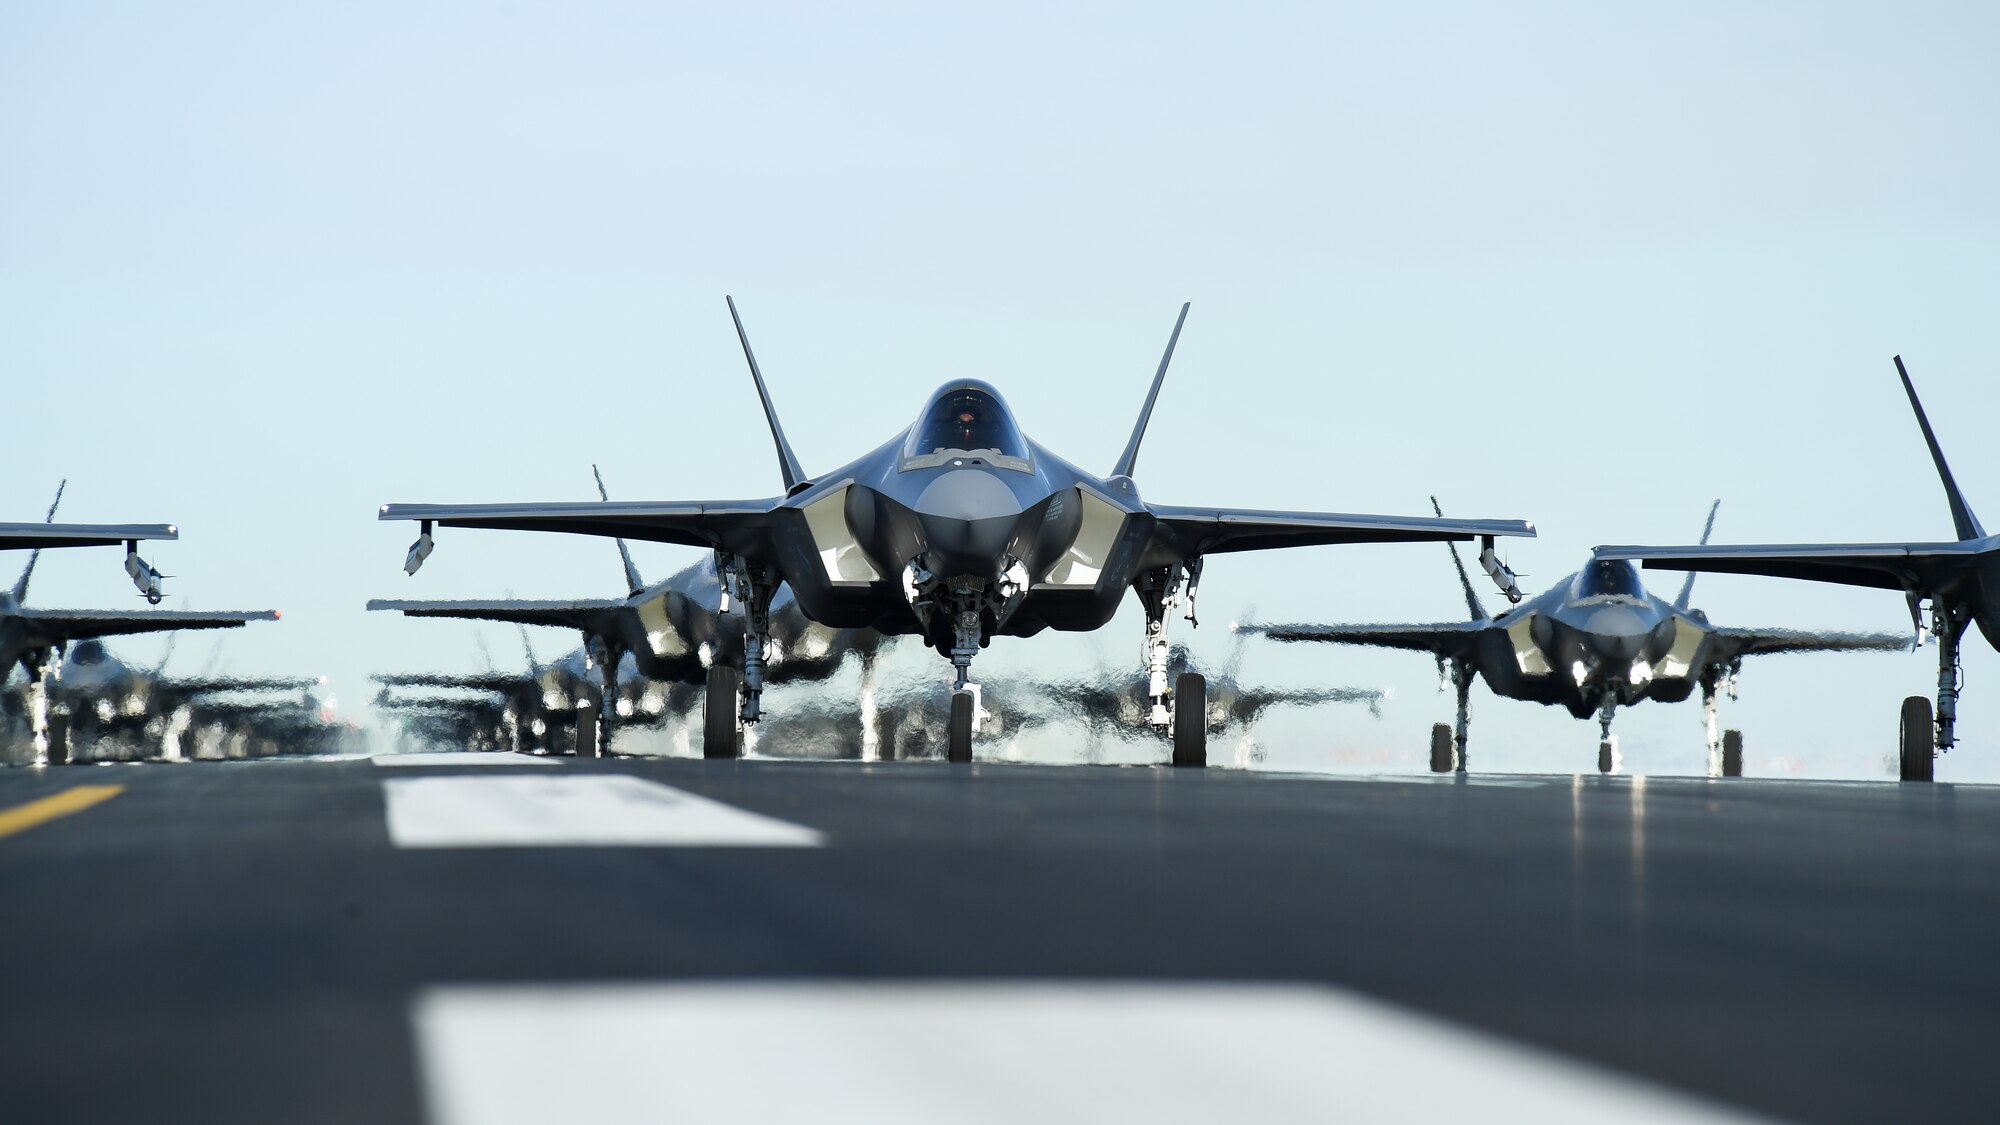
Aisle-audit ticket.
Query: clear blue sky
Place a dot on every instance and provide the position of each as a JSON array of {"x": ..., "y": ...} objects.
[{"x": 264, "y": 268}]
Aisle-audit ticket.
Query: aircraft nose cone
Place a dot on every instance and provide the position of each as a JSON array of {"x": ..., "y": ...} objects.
[
  {"x": 1617, "y": 632},
  {"x": 967, "y": 494},
  {"x": 968, "y": 517}
]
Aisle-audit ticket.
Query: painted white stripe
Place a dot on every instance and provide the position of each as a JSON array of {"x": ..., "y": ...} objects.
[
  {"x": 974, "y": 1053},
  {"x": 462, "y": 758},
  {"x": 604, "y": 810}
]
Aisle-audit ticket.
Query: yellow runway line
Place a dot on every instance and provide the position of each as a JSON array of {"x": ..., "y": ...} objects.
[{"x": 23, "y": 817}]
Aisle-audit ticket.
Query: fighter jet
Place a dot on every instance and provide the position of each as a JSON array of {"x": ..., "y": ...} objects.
[
  {"x": 674, "y": 631},
  {"x": 958, "y": 529},
  {"x": 1594, "y": 642},
  {"x": 1108, "y": 704},
  {"x": 534, "y": 701},
  {"x": 1959, "y": 579},
  {"x": 453, "y": 720},
  {"x": 114, "y": 706},
  {"x": 36, "y": 638}
]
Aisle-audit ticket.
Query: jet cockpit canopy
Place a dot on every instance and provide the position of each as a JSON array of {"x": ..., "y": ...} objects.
[
  {"x": 966, "y": 419},
  {"x": 1607, "y": 578}
]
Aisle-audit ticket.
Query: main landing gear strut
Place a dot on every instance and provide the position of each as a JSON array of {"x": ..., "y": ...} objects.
[
  {"x": 1725, "y": 754},
  {"x": 1448, "y": 743},
  {"x": 733, "y": 702},
  {"x": 1923, "y": 737},
  {"x": 593, "y": 737},
  {"x": 1182, "y": 712}
]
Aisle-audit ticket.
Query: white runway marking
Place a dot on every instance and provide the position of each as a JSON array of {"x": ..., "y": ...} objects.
[
  {"x": 890, "y": 1053},
  {"x": 462, "y": 758},
  {"x": 602, "y": 810}
]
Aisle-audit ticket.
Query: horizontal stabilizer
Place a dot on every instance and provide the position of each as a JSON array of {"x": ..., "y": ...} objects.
[
  {"x": 1446, "y": 639},
  {"x": 83, "y": 624},
  {"x": 589, "y": 616},
  {"x": 1750, "y": 642}
]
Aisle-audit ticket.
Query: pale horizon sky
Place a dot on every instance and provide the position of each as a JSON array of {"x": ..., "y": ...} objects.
[{"x": 263, "y": 269}]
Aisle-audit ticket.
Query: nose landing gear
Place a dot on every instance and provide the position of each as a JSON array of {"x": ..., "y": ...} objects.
[
  {"x": 1608, "y": 758},
  {"x": 1182, "y": 713}
]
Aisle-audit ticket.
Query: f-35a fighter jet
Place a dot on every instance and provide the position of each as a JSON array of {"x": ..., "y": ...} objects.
[
  {"x": 1594, "y": 642},
  {"x": 958, "y": 529},
  {"x": 1959, "y": 579},
  {"x": 36, "y": 638},
  {"x": 674, "y": 630}
]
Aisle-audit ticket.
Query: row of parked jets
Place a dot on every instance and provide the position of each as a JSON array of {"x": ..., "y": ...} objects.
[{"x": 959, "y": 529}]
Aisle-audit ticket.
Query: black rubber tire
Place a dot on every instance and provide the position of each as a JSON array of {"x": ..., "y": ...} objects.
[
  {"x": 886, "y": 724},
  {"x": 59, "y": 747},
  {"x": 1732, "y": 753},
  {"x": 959, "y": 746},
  {"x": 1191, "y": 721},
  {"x": 1916, "y": 740},
  {"x": 586, "y": 732},
  {"x": 1604, "y": 756},
  {"x": 1443, "y": 759},
  {"x": 720, "y": 738}
]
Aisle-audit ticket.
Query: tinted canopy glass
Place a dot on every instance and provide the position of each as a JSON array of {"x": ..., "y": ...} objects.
[
  {"x": 1615, "y": 577},
  {"x": 967, "y": 418}
]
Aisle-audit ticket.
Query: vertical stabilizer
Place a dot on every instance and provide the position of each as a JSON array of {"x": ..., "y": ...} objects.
[
  {"x": 1472, "y": 603},
  {"x": 633, "y": 582},
  {"x": 788, "y": 462},
  {"x": 528, "y": 647},
  {"x": 35, "y": 556},
  {"x": 1962, "y": 518},
  {"x": 1687, "y": 587},
  {"x": 1130, "y": 457}
]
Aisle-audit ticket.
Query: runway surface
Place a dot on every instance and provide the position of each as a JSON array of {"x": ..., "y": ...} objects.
[{"x": 454, "y": 937}]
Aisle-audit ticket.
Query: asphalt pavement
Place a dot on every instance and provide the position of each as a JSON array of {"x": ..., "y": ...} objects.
[{"x": 341, "y": 941}]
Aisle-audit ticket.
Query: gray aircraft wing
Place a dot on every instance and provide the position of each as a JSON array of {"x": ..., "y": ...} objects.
[
  {"x": 591, "y": 614},
  {"x": 739, "y": 526},
  {"x": 1452, "y": 638},
  {"x": 15, "y": 536},
  {"x": 83, "y": 624},
  {"x": 483, "y": 681},
  {"x": 1887, "y": 566},
  {"x": 1749, "y": 642},
  {"x": 1203, "y": 531}
]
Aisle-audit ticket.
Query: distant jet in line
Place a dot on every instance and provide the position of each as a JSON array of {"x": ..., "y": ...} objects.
[
  {"x": 1960, "y": 581},
  {"x": 1594, "y": 642}
]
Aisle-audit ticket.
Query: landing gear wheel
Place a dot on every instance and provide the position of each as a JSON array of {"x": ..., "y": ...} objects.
[
  {"x": 886, "y": 728},
  {"x": 1191, "y": 720},
  {"x": 719, "y": 737},
  {"x": 586, "y": 732},
  {"x": 1606, "y": 757},
  {"x": 1732, "y": 753},
  {"x": 59, "y": 747},
  {"x": 1441, "y": 752},
  {"x": 959, "y": 748},
  {"x": 1918, "y": 760}
]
